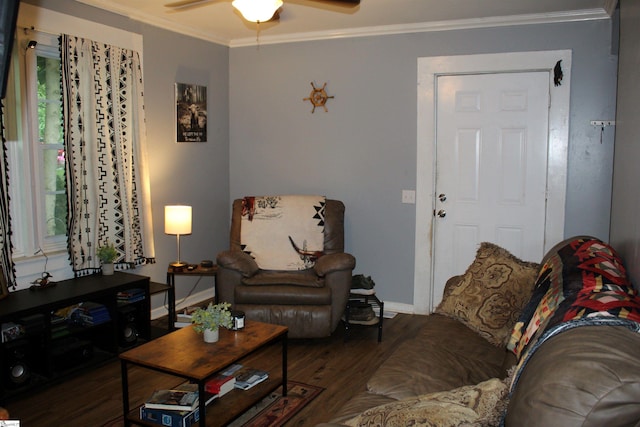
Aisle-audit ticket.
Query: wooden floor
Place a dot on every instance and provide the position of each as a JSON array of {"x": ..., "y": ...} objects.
[{"x": 342, "y": 368}]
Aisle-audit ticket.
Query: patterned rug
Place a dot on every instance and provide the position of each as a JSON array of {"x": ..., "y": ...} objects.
[{"x": 272, "y": 411}]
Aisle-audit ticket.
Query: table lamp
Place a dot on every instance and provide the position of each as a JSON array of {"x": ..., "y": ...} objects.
[{"x": 177, "y": 220}]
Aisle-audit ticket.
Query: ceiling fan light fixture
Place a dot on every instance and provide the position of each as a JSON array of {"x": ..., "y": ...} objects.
[{"x": 257, "y": 10}]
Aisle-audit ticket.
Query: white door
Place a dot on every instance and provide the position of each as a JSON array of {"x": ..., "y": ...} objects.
[
  {"x": 475, "y": 142},
  {"x": 491, "y": 163}
]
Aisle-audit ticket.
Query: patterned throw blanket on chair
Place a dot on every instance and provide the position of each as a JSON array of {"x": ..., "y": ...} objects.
[
  {"x": 283, "y": 232},
  {"x": 583, "y": 283}
]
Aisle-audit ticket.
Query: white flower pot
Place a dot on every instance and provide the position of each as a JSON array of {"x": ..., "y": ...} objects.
[
  {"x": 211, "y": 335},
  {"x": 107, "y": 269}
]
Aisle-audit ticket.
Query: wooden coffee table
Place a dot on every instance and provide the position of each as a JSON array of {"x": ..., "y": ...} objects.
[{"x": 183, "y": 353}]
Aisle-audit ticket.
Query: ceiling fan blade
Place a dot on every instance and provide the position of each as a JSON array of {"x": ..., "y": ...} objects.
[
  {"x": 347, "y": 3},
  {"x": 342, "y": 6},
  {"x": 185, "y": 3}
]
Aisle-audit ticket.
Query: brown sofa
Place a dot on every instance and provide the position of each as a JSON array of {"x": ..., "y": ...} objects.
[
  {"x": 580, "y": 366},
  {"x": 310, "y": 301}
]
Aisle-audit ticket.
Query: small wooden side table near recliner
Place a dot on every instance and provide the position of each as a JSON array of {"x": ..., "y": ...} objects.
[{"x": 193, "y": 270}]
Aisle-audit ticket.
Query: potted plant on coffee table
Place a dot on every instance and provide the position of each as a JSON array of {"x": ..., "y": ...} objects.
[
  {"x": 208, "y": 320},
  {"x": 107, "y": 254}
]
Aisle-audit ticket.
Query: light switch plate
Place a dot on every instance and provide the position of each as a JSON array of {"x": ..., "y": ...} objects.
[{"x": 409, "y": 196}]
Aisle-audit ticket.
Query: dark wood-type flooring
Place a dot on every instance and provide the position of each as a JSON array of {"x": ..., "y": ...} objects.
[{"x": 342, "y": 368}]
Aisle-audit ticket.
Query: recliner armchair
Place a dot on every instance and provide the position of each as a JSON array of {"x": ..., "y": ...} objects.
[{"x": 310, "y": 301}]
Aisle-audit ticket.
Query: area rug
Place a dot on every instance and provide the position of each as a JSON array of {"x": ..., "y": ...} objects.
[{"x": 272, "y": 411}]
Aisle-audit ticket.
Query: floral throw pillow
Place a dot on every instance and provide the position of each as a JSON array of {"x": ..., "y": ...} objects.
[
  {"x": 482, "y": 404},
  {"x": 490, "y": 295}
]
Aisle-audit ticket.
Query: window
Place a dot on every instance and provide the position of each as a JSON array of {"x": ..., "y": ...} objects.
[
  {"x": 37, "y": 161},
  {"x": 34, "y": 139}
]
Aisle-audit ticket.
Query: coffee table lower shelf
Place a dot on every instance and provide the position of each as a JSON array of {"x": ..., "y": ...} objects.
[{"x": 224, "y": 410}]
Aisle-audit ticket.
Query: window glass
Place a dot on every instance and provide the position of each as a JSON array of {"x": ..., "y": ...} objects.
[{"x": 51, "y": 148}]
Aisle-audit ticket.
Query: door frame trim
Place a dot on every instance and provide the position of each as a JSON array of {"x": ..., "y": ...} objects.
[{"x": 429, "y": 68}]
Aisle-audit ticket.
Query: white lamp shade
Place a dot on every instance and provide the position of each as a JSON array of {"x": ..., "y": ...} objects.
[
  {"x": 177, "y": 219},
  {"x": 257, "y": 10}
]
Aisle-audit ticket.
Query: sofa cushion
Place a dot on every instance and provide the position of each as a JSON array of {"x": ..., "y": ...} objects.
[
  {"x": 478, "y": 404},
  {"x": 304, "y": 278},
  {"x": 312, "y": 322},
  {"x": 490, "y": 295},
  {"x": 357, "y": 405},
  {"x": 445, "y": 354},
  {"x": 282, "y": 295}
]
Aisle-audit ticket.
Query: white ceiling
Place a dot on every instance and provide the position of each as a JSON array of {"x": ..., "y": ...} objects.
[{"x": 217, "y": 20}]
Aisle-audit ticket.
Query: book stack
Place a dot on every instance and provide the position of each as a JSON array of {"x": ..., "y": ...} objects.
[
  {"x": 59, "y": 330},
  {"x": 131, "y": 295},
  {"x": 176, "y": 400},
  {"x": 169, "y": 418},
  {"x": 220, "y": 384},
  {"x": 91, "y": 313},
  {"x": 246, "y": 377},
  {"x": 175, "y": 407}
]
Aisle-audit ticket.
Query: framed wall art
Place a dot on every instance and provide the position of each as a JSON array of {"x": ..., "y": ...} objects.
[{"x": 191, "y": 113}]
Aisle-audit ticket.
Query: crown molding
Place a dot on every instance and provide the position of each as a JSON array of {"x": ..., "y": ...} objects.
[
  {"x": 502, "y": 21},
  {"x": 165, "y": 24},
  {"x": 461, "y": 24}
]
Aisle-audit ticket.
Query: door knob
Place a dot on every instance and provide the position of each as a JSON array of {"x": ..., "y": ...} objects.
[
  {"x": 442, "y": 197},
  {"x": 442, "y": 213}
]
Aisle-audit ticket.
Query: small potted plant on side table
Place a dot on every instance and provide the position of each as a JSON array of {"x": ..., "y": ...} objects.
[
  {"x": 208, "y": 320},
  {"x": 107, "y": 254}
]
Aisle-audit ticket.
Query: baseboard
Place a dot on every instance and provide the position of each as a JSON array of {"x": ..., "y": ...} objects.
[
  {"x": 194, "y": 299},
  {"x": 392, "y": 308}
]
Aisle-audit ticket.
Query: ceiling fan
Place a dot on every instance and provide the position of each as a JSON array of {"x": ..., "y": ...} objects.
[{"x": 255, "y": 10}]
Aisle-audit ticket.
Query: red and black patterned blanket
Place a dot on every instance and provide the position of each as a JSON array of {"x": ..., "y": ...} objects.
[{"x": 583, "y": 282}]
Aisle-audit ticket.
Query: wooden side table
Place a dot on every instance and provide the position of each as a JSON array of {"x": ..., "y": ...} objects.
[
  {"x": 171, "y": 282},
  {"x": 367, "y": 298}
]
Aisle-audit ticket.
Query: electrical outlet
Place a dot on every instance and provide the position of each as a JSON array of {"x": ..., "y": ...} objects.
[{"x": 409, "y": 196}]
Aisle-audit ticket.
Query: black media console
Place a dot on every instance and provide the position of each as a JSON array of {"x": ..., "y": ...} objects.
[{"x": 50, "y": 333}]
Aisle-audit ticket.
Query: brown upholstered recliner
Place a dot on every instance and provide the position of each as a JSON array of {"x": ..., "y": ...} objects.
[{"x": 309, "y": 302}]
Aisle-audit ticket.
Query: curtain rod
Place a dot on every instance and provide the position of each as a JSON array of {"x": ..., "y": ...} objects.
[{"x": 33, "y": 29}]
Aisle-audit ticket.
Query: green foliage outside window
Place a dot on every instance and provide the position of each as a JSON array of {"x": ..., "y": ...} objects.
[{"x": 51, "y": 145}]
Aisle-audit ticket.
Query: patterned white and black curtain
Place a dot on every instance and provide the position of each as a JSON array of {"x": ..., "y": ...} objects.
[
  {"x": 107, "y": 179},
  {"x": 7, "y": 267}
]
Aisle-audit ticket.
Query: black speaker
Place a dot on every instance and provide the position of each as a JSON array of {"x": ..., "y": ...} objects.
[
  {"x": 17, "y": 362},
  {"x": 129, "y": 318}
]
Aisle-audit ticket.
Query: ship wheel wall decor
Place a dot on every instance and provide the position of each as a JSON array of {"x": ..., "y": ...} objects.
[{"x": 318, "y": 97}]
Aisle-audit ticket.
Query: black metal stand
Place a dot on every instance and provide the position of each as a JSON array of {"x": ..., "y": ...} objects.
[{"x": 367, "y": 299}]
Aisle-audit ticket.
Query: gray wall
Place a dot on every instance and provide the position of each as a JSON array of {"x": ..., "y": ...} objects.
[
  {"x": 264, "y": 139},
  {"x": 194, "y": 174},
  {"x": 363, "y": 149},
  {"x": 625, "y": 222}
]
